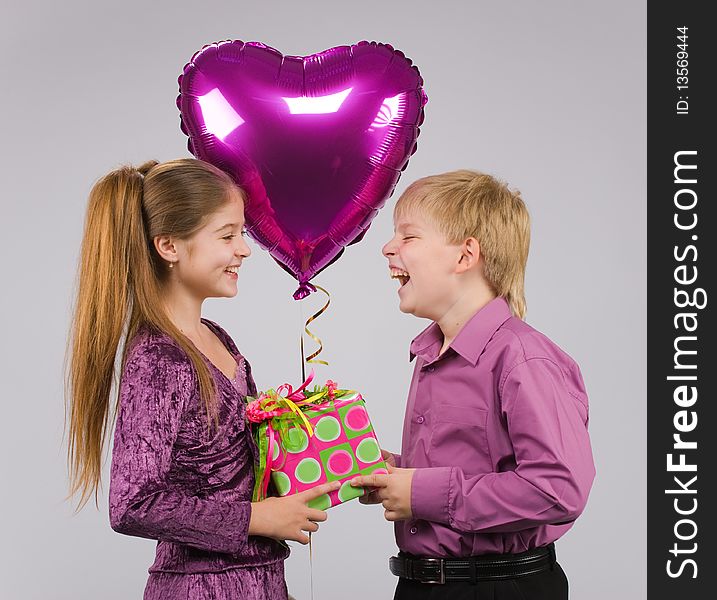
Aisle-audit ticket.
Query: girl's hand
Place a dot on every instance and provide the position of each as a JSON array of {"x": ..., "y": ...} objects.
[{"x": 287, "y": 518}]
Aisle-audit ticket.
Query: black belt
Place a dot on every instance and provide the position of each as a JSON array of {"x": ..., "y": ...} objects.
[{"x": 473, "y": 568}]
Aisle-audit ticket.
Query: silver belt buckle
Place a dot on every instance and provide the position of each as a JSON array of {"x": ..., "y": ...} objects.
[{"x": 440, "y": 571}]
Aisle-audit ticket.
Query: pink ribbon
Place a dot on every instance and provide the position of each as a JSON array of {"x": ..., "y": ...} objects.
[
  {"x": 294, "y": 395},
  {"x": 269, "y": 461}
]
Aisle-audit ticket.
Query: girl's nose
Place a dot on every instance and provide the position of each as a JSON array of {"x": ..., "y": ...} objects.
[{"x": 243, "y": 248}]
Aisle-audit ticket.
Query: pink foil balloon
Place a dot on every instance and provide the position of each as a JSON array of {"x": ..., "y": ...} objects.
[{"x": 318, "y": 142}]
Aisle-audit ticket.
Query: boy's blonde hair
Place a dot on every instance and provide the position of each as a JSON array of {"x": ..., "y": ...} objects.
[{"x": 465, "y": 204}]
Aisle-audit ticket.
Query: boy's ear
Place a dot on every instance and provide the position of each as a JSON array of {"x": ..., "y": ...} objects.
[{"x": 470, "y": 255}]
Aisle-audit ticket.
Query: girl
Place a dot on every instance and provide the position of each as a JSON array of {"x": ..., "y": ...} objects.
[{"x": 158, "y": 241}]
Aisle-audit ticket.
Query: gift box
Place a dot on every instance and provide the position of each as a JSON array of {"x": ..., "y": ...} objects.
[{"x": 309, "y": 437}]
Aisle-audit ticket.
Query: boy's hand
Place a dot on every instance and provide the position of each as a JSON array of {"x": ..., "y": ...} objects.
[
  {"x": 287, "y": 518},
  {"x": 388, "y": 457},
  {"x": 393, "y": 491},
  {"x": 371, "y": 496}
]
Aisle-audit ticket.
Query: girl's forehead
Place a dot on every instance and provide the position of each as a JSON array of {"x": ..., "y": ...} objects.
[{"x": 230, "y": 213}]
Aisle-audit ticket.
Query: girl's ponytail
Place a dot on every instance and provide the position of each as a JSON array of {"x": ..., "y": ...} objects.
[
  {"x": 144, "y": 168},
  {"x": 113, "y": 245}
]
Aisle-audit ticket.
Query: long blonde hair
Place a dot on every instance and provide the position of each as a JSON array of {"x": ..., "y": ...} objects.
[
  {"x": 465, "y": 204},
  {"x": 119, "y": 283}
]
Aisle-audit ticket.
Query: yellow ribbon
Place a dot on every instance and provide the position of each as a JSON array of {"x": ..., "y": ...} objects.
[
  {"x": 283, "y": 402},
  {"x": 310, "y": 359},
  {"x": 299, "y": 413}
]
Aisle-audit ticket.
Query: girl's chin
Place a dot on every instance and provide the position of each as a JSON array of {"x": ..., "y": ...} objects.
[{"x": 225, "y": 291}]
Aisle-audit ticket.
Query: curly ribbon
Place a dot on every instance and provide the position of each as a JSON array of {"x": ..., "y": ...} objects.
[{"x": 311, "y": 358}]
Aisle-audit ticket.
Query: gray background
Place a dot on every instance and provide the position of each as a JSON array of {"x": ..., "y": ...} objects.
[{"x": 548, "y": 95}]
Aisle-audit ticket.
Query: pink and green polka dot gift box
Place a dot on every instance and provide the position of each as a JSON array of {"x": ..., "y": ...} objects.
[{"x": 309, "y": 437}]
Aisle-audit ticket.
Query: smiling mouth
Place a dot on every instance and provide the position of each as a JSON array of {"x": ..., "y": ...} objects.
[{"x": 401, "y": 275}]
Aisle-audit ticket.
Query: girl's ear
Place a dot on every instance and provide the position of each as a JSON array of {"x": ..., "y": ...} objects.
[
  {"x": 166, "y": 248},
  {"x": 470, "y": 255}
]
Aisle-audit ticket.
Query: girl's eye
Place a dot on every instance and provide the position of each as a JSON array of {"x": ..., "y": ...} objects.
[{"x": 229, "y": 237}]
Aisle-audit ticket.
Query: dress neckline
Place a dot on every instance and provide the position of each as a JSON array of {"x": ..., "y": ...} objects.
[{"x": 219, "y": 336}]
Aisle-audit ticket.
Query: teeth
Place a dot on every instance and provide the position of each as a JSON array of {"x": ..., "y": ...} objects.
[
  {"x": 401, "y": 275},
  {"x": 232, "y": 269}
]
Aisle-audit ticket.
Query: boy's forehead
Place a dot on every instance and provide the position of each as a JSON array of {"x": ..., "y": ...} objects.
[{"x": 411, "y": 219}]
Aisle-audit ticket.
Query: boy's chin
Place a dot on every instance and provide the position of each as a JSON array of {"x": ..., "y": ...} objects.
[
  {"x": 404, "y": 307},
  {"x": 405, "y": 310},
  {"x": 410, "y": 309}
]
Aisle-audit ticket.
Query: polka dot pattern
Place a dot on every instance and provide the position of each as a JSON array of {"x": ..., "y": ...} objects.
[{"x": 342, "y": 447}]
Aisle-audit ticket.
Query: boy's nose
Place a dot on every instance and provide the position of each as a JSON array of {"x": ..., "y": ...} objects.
[{"x": 388, "y": 250}]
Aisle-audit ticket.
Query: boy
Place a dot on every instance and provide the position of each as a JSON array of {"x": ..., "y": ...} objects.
[{"x": 496, "y": 461}]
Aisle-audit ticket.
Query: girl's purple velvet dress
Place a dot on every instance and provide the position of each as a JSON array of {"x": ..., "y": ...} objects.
[{"x": 187, "y": 486}]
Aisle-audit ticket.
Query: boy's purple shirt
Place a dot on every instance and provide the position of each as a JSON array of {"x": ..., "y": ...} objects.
[
  {"x": 496, "y": 428},
  {"x": 171, "y": 479}
]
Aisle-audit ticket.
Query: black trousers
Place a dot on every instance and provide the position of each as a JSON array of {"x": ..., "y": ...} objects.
[{"x": 548, "y": 585}]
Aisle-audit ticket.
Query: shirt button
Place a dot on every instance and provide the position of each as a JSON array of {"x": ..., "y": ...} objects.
[
  {"x": 413, "y": 530},
  {"x": 420, "y": 420},
  {"x": 431, "y": 369}
]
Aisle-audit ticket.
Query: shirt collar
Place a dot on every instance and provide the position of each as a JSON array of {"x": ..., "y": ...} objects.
[{"x": 471, "y": 339}]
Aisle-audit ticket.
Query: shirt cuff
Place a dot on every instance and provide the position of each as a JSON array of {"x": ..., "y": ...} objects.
[
  {"x": 397, "y": 459},
  {"x": 430, "y": 494}
]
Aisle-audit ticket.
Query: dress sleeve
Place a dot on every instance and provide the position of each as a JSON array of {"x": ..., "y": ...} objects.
[
  {"x": 145, "y": 501},
  {"x": 554, "y": 469}
]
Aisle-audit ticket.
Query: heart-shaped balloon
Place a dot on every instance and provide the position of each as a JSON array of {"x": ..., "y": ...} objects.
[{"x": 318, "y": 142}]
